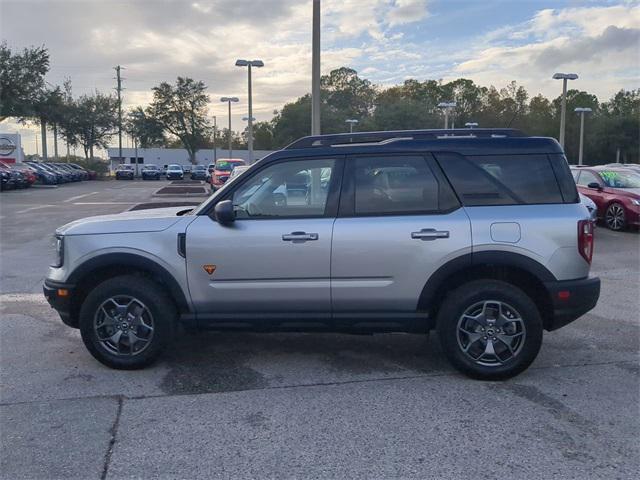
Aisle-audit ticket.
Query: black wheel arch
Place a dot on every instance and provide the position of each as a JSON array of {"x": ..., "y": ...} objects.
[
  {"x": 95, "y": 270},
  {"x": 519, "y": 270}
]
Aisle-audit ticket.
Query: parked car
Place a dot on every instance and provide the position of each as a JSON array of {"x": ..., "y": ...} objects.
[
  {"x": 76, "y": 175},
  {"x": 237, "y": 171},
  {"x": 124, "y": 172},
  {"x": 8, "y": 177},
  {"x": 62, "y": 177},
  {"x": 591, "y": 206},
  {"x": 368, "y": 252},
  {"x": 22, "y": 178},
  {"x": 67, "y": 176},
  {"x": 27, "y": 172},
  {"x": 200, "y": 172},
  {"x": 175, "y": 172},
  {"x": 615, "y": 191},
  {"x": 91, "y": 174},
  {"x": 211, "y": 167},
  {"x": 186, "y": 169},
  {"x": 151, "y": 172},
  {"x": 222, "y": 170},
  {"x": 44, "y": 176}
]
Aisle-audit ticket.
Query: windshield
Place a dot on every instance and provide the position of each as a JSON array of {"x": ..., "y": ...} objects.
[
  {"x": 151, "y": 167},
  {"x": 620, "y": 179},
  {"x": 226, "y": 166},
  {"x": 175, "y": 167}
]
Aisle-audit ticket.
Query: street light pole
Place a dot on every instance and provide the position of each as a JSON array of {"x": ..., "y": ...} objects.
[
  {"x": 581, "y": 111},
  {"x": 564, "y": 77},
  {"x": 215, "y": 134},
  {"x": 229, "y": 100},
  {"x": 249, "y": 64},
  {"x": 471, "y": 125},
  {"x": 446, "y": 106},
  {"x": 351, "y": 122},
  {"x": 315, "y": 69}
]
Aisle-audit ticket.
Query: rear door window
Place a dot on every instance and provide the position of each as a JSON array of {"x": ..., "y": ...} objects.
[
  {"x": 587, "y": 177},
  {"x": 501, "y": 179}
]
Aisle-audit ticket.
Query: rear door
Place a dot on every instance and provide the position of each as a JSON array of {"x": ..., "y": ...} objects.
[{"x": 399, "y": 221}]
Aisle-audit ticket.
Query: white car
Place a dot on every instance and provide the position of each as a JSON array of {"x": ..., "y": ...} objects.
[{"x": 591, "y": 206}]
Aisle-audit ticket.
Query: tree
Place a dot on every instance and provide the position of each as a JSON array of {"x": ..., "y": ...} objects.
[
  {"x": 144, "y": 128},
  {"x": 21, "y": 80},
  {"x": 181, "y": 109},
  {"x": 90, "y": 121},
  {"x": 263, "y": 136},
  {"x": 47, "y": 109}
]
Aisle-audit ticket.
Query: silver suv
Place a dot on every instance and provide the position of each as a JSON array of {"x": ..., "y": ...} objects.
[{"x": 480, "y": 236}]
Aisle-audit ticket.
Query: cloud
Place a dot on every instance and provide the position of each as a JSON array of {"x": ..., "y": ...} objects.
[{"x": 407, "y": 11}]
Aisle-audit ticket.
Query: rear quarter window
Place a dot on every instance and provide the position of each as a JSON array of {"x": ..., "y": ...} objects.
[{"x": 502, "y": 179}]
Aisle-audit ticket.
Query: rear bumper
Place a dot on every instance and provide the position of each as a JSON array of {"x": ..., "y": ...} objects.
[
  {"x": 60, "y": 303},
  {"x": 571, "y": 299}
]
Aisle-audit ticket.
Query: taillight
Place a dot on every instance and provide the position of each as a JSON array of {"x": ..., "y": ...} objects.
[{"x": 585, "y": 239}]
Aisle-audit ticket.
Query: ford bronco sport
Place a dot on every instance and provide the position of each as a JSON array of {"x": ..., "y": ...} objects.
[{"x": 479, "y": 235}]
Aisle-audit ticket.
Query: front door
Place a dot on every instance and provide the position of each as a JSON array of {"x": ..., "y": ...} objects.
[{"x": 275, "y": 257}]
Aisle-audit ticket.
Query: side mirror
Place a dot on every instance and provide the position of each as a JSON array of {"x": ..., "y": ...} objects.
[
  {"x": 595, "y": 185},
  {"x": 224, "y": 212}
]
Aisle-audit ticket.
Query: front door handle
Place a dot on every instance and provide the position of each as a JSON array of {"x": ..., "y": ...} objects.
[
  {"x": 430, "y": 234},
  {"x": 299, "y": 237}
]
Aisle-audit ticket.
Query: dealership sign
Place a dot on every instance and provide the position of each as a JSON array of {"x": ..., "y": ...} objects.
[{"x": 10, "y": 147}]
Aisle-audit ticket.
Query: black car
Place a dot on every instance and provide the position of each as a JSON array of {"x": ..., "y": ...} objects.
[
  {"x": 199, "y": 172},
  {"x": 124, "y": 172},
  {"x": 45, "y": 177},
  {"x": 7, "y": 180},
  {"x": 151, "y": 172}
]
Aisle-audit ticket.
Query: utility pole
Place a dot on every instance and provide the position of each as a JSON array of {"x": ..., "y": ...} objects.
[
  {"x": 43, "y": 132},
  {"x": 119, "y": 91},
  {"x": 315, "y": 70}
]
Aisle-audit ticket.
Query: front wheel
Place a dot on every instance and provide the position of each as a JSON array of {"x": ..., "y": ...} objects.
[
  {"x": 615, "y": 217},
  {"x": 127, "y": 321},
  {"x": 489, "y": 329}
]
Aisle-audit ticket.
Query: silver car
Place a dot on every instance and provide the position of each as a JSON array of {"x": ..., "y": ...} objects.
[{"x": 481, "y": 237}]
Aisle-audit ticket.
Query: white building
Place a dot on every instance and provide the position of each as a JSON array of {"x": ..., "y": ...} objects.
[{"x": 166, "y": 156}]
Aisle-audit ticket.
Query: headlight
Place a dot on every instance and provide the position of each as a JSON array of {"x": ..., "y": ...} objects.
[
  {"x": 635, "y": 202},
  {"x": 59, "y": 259}
]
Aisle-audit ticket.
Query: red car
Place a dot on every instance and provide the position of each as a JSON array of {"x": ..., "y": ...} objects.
[
  {"x": 222, "y": 170},
  {"x": 615, "y": 191}
]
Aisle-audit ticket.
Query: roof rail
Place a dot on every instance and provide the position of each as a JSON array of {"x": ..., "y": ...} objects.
[{"x": 372, "y": 138}]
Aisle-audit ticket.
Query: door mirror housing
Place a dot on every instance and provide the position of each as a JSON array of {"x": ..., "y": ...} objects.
[
  {"x": 224, "y": 212},
  {"x": 595, "y": 185}
]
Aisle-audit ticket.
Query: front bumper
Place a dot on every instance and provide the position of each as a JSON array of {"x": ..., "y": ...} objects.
[
  {"x": 571, "y": 299},
  {"x": 60, "y": 295}
]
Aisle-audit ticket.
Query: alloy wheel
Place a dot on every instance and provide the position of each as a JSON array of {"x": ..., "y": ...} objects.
[
  {"x": 491, "y": 333},
  {"x": 123, "y": 325},
  {"x": 615, "y": 217}
]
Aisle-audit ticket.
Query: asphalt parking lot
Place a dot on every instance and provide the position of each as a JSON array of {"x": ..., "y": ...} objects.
[{"x": 303, "y": 405}]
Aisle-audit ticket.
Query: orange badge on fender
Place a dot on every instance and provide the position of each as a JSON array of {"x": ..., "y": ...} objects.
[{"x": 209, "y": 269}]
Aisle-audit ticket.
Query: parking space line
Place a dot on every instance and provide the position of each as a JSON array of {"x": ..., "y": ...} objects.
[
  {"x": 77, "y": 197},
  {"x": 34, "y": 208}
]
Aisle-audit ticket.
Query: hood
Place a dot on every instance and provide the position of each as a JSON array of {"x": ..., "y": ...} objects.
[{"x": 152, "y": 220}]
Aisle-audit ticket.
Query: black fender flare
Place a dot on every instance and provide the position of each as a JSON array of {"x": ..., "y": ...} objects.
[
  {"x": 478, "y": 259},
  {"x": 134, "y": 261}
]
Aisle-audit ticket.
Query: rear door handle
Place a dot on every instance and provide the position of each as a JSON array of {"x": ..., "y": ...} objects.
[
  {"x": 430, "y": 234},
  {"x": 299, "y": 237}
]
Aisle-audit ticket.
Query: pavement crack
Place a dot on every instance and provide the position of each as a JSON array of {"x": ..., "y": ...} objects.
[{"x": 113, "y": 431}]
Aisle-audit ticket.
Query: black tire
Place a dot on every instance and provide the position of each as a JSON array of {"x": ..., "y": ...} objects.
[
  {"x": 615, "y": 218},
  {"x": 473, "y": 295},
  {"x": 153, "y": 297}
]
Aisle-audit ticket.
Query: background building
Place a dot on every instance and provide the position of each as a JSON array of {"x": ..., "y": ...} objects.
[{"x": 179, "y": 156}]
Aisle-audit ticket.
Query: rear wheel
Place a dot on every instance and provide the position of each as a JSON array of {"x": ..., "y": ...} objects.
[
  {"x": 489, "y": 329},
  {"x": 127, "y": 321},
  {"x": 615, "y": 217}
]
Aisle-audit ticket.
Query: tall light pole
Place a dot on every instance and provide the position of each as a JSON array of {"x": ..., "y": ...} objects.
[
  {"x": 229, "y": 100},
  {"x": 564, "y": 77},
  {"x": 215, "y": 134},
  {"x": 446, "y": 106},
  {"x": 351, "y": 122},
  {"x": 471, "y": 125},
  {"x": 249, "y": 64},
  {"x": 581, "y": 111},
  {"x": 315, "y": 70}
]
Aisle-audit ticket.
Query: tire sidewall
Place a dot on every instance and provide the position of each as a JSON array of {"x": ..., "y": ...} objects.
[
  {"x": 155, "y": 299},
  {"x": 457, "y": 302}
]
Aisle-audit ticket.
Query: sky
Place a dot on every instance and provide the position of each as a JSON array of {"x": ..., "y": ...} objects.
[{"x": 387, "y": 41}]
